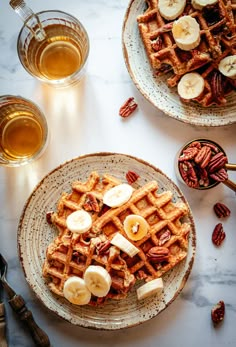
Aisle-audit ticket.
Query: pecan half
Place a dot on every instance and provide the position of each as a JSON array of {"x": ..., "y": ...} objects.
[
  {"x": 217, "y": 162},
  {"x": 103, "y": 247},
  {"x": 164, "y": 237},
  {"x": 221, "y": 210},
  {"x": 49, "y": 217},
  {"x": 218, "y": 235},
  {"x": 188, "y": 174},
  {"x": 91, "y": 203},
  {"x": 188, "y": 153},
  {"x": 218, "y": 312},
  {"x": 131, "y": 177},
  {"x": 128, "y": 107},
  {"x": 220, "y": 175},
  {"x": 158, "y": 254},
  {"x": 157, "y": 44},
  {"x": 203, "y": 157}
]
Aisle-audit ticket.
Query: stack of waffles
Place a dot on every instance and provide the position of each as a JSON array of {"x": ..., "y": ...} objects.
[
  {"x": 161, "y": 249},
  {"x": 217, "y": 41}
]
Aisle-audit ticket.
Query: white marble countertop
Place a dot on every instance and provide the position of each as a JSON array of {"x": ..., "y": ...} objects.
[{"x": 85, "y": 120}]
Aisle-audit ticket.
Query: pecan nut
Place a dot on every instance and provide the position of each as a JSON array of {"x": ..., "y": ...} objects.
[
  {"x": 91, "y": 203},
  {"x": 188, "y": 174},
  {"x": 217, "y": 162},
  {"x": 220, "y": 175},
  {"x": 218, "y": 234},
  {"x": 131, "y": 177},
  {"x": 218, "y": 312},
  {"x": 128, "y": 107},
  {"x": 49, "y": 215},
  {"x": 221, "y": 210},
  {"x": 158, "y": 254},
  {"x": 103, "y": 247},
  {"x": 203, "y": 157},
  {"x": 188, "y": 153},
  {"x": 164, "y": 237},
  {"x": 157, "y": 44}
]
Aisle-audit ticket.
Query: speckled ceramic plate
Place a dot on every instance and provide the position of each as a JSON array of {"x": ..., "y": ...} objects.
[
  {"x": 34, "y": 235},
  {"x": 155, "y": 89}
]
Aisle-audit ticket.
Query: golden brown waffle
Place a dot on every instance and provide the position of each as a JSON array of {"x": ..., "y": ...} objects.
[
  {"x": 68, "y": 255},
  {"x": 217, "y": 40}
]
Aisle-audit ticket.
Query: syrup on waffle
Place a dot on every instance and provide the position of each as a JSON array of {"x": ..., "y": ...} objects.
[
  {"x": 217, "y": 40},
  {"x": 70, "y": 254}
]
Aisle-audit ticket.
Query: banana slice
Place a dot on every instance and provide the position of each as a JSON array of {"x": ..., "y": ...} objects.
[
  {"x": 227, "y": 66},
  {"x": 79, "y": 221},
  {"x": 125, "y": 245},
  {"x": 118, "y": 195},
  {"x": 200, "y": 4},
  {"x": 98, "y": 280},
  {"x": 186, "y": 33},
  {"x": 190, "y": 85},
  {"x": 170, "y": 9},
  {"x": 76, "y": 291},
  {"x": 136, "y": 227},
  {"x": 150, "y": 288}
]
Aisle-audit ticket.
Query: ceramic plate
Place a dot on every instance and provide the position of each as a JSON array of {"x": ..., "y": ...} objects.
[
  {"x": 35, "y": 234},
  {"x": 155, "y": 89}
]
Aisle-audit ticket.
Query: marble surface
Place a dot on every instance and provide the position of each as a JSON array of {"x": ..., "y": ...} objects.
[{"x": 85, "y": 120}]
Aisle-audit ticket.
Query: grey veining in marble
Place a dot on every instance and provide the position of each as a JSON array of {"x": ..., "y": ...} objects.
[{"x": 85, "y": 120}]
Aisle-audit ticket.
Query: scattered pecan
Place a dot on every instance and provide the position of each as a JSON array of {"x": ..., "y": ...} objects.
[
  {"x": 49, "y": 217},
  {"x": 203, "y": 157},
  {"x": 218, "y": 234},
  {"x": 158, "y": 254},
  {"x": 216, "y": 83},
  {"x": 218, "y": 312},
  {"x": 188, "y": 174},
  {"x": 91, "y": 203},
  {"x": 128, "y": 107},
  {"x": 131, "y": 177},
  {"x": 221, "y": 210},
  {"x": 164, "y": 237}
]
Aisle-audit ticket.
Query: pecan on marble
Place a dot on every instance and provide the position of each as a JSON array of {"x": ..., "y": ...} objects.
[
  {"x": 158, "y": 254},
  {"x": 218, "y": 235},
  {"x": 217, "y": 162},
  {"x": 91, "y": 203},
  {"x": 218, "y": 312},
  {"x": 221, "y": 210},
  {"x": 131, "y": 177},
  {"x": 128, "y": 107},
  {"x": 203, "y": 157}
]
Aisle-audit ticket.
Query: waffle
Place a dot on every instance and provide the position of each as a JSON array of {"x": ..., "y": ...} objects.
[
  {"x": 217, "y": 40},
  {"x": 70, "y": 255}
]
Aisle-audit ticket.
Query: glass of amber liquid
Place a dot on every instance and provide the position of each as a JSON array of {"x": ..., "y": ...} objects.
[
  {"x": 23, "y": 131},
  {"x": 53, "y": 46}
]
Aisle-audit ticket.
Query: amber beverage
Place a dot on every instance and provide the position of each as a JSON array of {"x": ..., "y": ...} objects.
[
  {"x": 56, "y": 50},
  {"x": 23, "y": 131}
]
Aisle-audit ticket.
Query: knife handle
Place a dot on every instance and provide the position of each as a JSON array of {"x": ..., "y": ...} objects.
[
  {"x": 3, "y": 340},
  {"x": 39, "y": 336}
]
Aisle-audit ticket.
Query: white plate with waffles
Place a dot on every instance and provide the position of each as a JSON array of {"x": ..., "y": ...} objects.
[
  {"x": 155, "y": 89},
  {"x": 35, "y": 234}
]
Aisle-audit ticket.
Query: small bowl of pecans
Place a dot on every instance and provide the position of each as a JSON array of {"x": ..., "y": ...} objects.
[{"x": 203, "y": 164}]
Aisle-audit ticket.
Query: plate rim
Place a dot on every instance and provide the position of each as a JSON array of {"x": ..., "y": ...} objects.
[
  {"x": 96, "y": 154},
  {"x": 143, "y": 92}
]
